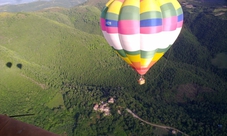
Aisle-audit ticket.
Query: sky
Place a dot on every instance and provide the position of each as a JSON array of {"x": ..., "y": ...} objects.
[{"x": 15, "y": 2}]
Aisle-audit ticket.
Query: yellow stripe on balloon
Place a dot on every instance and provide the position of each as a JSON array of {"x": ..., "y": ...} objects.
[
  {"x": 134, "y": 58},
  {"x": 115, "y": 7},
  {"x": 149, "y": 5},
  {"x": 126, "y": 59},
  {"x": 109, "y": 2},
  {"x": 135, "y": 3},
  {"x": 162, "y": 2},
  {"x": 157, "y": 56},
  {"x": 145, "y": 62},
  {"x": 176, "y": 4}
]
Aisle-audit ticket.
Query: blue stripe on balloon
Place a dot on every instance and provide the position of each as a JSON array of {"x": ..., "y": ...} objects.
[
  {"x": 111, "y": 23},
  {"x": 151, "y": 22},
  {"x": 180, "y": 18}
]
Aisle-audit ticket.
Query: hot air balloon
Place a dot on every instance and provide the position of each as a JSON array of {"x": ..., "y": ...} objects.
[{"x": 141, "y": 31}]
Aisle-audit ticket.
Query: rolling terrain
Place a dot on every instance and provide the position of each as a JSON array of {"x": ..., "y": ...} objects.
[
  {"x": 56, "y": 64},
  {"x": 39, "y": 5}
]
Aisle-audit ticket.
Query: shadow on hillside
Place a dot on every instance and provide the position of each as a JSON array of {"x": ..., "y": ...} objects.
[
  {"x": 10, "y": 64},
  {"x": 19, "y": 65}
]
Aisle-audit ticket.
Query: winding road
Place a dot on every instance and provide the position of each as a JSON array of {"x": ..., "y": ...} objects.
[{"x": 155, "y": 125}]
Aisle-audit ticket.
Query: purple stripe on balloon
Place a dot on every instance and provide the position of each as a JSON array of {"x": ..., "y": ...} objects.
[
  {"x": 150, "y": 30},
  {"x": 112, "y": 30},
  {"x": 111, "y": 23},
  {"x": 180, "y": 17},
  {"x": 169, "y": 24},
  {"x": 151, "y": 22},
  {"x": 129, "y": 26},
  {"x": 103, "y": 24}
]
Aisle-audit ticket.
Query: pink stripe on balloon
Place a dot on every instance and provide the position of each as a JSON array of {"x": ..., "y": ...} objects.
[
  {"x": 112, "y": 29},
  {"x": 129, "y": 26},
  {"x": 169, "y": 24},
  {"x": 103, "y": 24},
  {"x": 142, "y": 71},
  {"x": 150, "y": 30},
  {"x": 179, "y": 24},
  {"x": 121, "y": 0}
]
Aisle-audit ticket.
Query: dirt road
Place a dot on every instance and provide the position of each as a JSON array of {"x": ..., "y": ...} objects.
[{"x": 155, "y": 125}]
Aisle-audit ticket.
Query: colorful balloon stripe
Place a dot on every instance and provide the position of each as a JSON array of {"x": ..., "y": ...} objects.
[
  {"x": 149, "y": 5},
  {"x": 151, "y": 22},
  {"x": 111, "y": 23},
  {"x": 129, "y": 27},
  {"x": 169, "y": 24},
  {"x": 141, "y": 31},
  {"x": 179, "y": 24},
  {"x": 135, "y": 3},
  {"x": 179, "y": 11},
  {"x": 168, "y": 10},
  {"x": 126, "y": 13},
  {"x": 103, "y": 24},
  {"x": 111, "y": 29},
  {"x": 150, "y": 15},
  {"x": 112, "y": 16},
  {"x": 115, "y": 7},
  {"x": 104, "y": 12},
  {"x": 180, "y": 18},
  {"x": 143, "y": 54},
  {"x": 150, "y": 30},
  {"x": 176, "y": 4},
  {"x": 109, "y": 2}
]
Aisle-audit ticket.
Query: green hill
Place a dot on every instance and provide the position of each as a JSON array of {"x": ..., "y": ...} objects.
[
  {"x": 39, "y": 5},
  {"x": 56, "y": 64}
]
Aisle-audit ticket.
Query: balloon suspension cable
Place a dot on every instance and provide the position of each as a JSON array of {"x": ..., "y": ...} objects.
[{"x": 141, "y": 80}]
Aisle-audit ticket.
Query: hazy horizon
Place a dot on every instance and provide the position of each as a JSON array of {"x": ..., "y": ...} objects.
[{"x": 16, "y": 2}]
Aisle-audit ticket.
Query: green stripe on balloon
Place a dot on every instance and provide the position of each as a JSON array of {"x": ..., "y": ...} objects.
[
  {"x": 120, "y": 52},
  {"x": 179, "y": 11},
  {"x": 163, "y": 50},
  {"x": 126, "y": 13},
  {"x": 132, "y": 52},
  {"x": 168, "y": 10},
  {"x": 150, "y": 15},
  {"x": 103, "y": 13},
  {"x": 112, "y": 16},
  {"x": 150, "y": 54},
  {"x": 147, "y": 54},
  {"x": 144, "y": 54}
]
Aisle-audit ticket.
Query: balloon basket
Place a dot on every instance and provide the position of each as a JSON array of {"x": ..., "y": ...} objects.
[{"x": 141, "y": 81}]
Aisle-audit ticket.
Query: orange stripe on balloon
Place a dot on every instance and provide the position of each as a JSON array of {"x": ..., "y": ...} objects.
[
  {"x": 152, "y": 63},
  {"x": 143, "y": 70},
  {"x": 136, "y": 64}
]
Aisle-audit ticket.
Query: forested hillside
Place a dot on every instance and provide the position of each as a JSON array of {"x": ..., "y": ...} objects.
[{"x": 55, "y": 63}]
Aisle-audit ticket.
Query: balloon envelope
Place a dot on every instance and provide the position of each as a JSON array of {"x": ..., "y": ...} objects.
[{"x": 141, "y": 31}]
